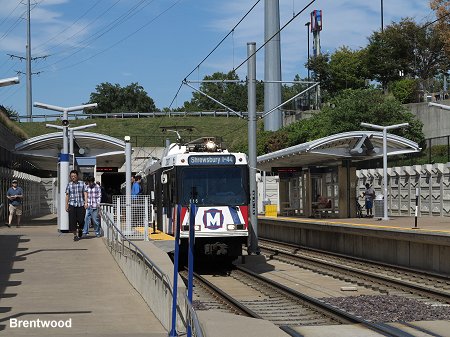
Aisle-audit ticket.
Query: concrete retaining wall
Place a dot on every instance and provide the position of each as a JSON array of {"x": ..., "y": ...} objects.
[{"x": 148, "y": 282}]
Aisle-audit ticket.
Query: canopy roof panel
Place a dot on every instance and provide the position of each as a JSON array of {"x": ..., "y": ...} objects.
[
  {"x": 42, "y": 151},
  {"x": 354, "y": 145}
]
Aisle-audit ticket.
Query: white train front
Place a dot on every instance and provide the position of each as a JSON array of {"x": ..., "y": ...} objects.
[{"x": 216, "y": 181}]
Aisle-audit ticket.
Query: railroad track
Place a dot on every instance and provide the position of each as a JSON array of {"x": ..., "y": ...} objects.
[
  {"x": 385, "y": 279},
  {"x": 258, "y": 297}
]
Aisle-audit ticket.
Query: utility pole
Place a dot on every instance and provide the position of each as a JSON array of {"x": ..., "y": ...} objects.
[
  {"x": 28, "y": 50},
  {"x": 28, "y": 59}
]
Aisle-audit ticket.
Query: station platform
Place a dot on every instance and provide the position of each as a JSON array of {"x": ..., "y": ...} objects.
[
  {"x": 425, "y": 224},
  {"x": 396, "y": 241},
  {"x": 46, "y": 276}
]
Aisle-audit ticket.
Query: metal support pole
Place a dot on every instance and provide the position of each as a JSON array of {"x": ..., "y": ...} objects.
[
  {"x": 272, "y": 65},
  {"x": 29, "y": 104},
  {"x": 71, "y": 148},
  {"x": 173, "y": 331},
  {"x": 385, "y": 201},
  {"x": 128, "y": 184},
  {"x": 192, "y": 213},
  {"x": 251, "y": 67},
  {"x": 64, "y": 177},
  {"x": 146, "y": 219}
]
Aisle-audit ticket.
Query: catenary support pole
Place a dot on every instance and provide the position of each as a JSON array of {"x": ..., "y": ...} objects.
[
  {"x": 251, "y": 67},
  {"x": 272, "y": 65}
]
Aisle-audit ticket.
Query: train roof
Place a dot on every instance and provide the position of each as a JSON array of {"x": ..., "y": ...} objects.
[{"x": 200, "y": 152}]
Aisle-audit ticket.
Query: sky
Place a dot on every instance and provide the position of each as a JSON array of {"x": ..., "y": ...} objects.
[{"x": 78, "y": 44}]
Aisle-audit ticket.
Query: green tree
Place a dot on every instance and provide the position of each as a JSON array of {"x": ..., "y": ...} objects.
[
  {"x": 351, "y": 107},
  {"x": 344, "y": 69},
  {"x": 231, "y": 94},
  {"x": 405, "y": 49},
  {"x": 405, "y": 90},
  {"x": 112, "y": 98}
]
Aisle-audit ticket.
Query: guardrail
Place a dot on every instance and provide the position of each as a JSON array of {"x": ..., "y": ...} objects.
[
  {"x": 159, "y": 298},
  {"x": 51, "y": 117}
]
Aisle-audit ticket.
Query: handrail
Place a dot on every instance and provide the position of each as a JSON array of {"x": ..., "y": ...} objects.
[{"x": 191, "y": 314}]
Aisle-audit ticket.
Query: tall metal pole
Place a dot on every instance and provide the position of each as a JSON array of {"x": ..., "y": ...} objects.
[
  {"x": 382, "y": 19},
  {"x": 272, "y": 65},
  {"x": 251, "y": 85},
  {"x": 64, "y": 174},
  {"x": 128, "y": 184},
  {"x": 385, "y": 189},
  {"x": 307, "y": 35},
  {"x": 29, "y": 102},
  {"x": 309, "y": 71}
]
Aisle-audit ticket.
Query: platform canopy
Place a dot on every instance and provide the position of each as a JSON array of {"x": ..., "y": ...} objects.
[
  {"x": 42, "y": 151},
  {"x": 331, "y": 150}
]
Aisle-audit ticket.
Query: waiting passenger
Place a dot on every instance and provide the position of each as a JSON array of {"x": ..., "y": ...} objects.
[
  {"x": 92, "y": 197},
  {"x": 75, "y": 204}
]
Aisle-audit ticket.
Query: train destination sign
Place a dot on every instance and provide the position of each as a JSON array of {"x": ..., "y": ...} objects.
[{"x": 212, "y": 160}]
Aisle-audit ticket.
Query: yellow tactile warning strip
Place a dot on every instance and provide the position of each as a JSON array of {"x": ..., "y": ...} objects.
[
  {"x": 158, "y": 235},
  {"x": 326, "y": 222}
]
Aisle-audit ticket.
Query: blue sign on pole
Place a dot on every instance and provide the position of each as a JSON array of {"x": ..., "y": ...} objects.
[{"x": 173, "y": 331}]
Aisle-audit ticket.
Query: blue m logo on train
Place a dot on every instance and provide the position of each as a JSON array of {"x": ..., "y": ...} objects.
[{"x": 213, "y": 219}]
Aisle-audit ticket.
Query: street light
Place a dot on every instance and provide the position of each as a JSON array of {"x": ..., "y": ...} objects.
[
  {"x": 9, "y": 81},
  {"x": 384, "y": 129},
  {"x": 64, "y": 156}
]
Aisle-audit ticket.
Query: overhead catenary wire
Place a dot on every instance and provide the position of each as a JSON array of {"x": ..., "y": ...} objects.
[
  {"x": 38, "y": 47},
  {"x": 116, "y": 43},
  {"x": 223, "y": 39},
  {"x": 279, "y": 31}
]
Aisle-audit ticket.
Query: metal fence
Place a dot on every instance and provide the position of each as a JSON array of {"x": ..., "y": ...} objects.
[
  {"x": 157, "y": 289},
  {"x": 133, "y": 215}
]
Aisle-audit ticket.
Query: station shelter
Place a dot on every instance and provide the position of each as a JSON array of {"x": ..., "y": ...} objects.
[
  {"x": 90, "y": 153},
  {"x": 320, "y": 176}
]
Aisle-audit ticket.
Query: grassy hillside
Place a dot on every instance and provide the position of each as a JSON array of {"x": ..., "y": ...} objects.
[{"x": 147, "y": 131}]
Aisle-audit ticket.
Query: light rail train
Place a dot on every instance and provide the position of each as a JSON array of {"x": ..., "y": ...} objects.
[{"x": 217, "y": 181}]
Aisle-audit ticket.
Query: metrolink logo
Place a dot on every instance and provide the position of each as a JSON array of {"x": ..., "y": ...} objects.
[
  {"x": 39, "y": 323},
  {"x": 213, "y": 219}
]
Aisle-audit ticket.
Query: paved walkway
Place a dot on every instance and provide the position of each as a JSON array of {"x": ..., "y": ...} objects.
[{"x": 47, "y": 276}]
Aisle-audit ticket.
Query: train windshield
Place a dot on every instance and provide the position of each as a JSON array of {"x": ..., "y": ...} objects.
[{"x": 214, "y": 185}]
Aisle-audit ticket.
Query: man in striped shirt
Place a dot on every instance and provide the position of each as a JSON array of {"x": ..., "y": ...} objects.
[
  {"x": 92, "y": 198},
  {"x": 75, "y": 204}
]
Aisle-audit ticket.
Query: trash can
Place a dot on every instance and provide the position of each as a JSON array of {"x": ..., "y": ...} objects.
[
  {"x": 271, "y": 210},
  {"x": 378, "y": 206}
]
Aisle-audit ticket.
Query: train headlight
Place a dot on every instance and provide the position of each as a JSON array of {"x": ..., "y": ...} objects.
[
  {"x": 231, "y": 227},
  {"x": 211, "y": 146},
  {"x": 197, "y": 227}
]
